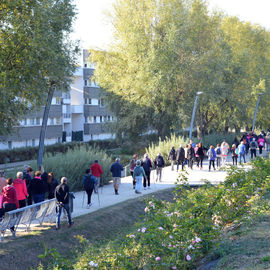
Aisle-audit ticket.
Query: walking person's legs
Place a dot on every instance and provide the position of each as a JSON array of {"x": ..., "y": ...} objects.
[
  {"x": 66, "y": 207},
  {"x": 89, "y": 194},
  {"x": 148, "y": 178},
  {"x": 138, "y": 184},
  {"x": 58, "y": 217},
  {"x": 97, "y": 184},
  {"x": 172, "y": 165}
]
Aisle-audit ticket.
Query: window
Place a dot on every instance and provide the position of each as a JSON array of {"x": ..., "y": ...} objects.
[
  {"x": 51, "y": 121},
  {"x": 85, "y": 101},
  {"x": 32, "y": 121},
  {"x": 85, "y": 119},
  {"x": 85, "y": 83},
  {"x": 33, "y": 142},
  {"x": 58, "y": 139},
  {"x": 95, "y": 119},
  {"x": 109, "y": 118},
  {"x": 85, "y": 65},
  {"x": 100, "y": 119},
  {"x": 58, "y": 121},
  {"x": 90, "y": 119},
  {"x": 90, "y": 101},
  {"x": 38, "y": 121},
  {"x": 57, "y": 100},
  {"x": 25, "y": 122},
  {"x": 101, "y": 102},
  {"x": 26, "y": 143}
]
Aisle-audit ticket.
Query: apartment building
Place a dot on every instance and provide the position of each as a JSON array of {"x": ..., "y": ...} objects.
[{"x": 76, "y": 115}]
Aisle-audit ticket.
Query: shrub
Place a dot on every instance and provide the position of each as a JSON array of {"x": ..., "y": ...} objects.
[{"x": 176, "y": 235}]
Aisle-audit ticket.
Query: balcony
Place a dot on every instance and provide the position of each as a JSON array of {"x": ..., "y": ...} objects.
[
  {"x": 77, "y": 109},
  {"x": 66, "y": 101}
]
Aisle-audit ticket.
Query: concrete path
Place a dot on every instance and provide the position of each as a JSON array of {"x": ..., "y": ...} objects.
[{"x": 106, "y": 196}]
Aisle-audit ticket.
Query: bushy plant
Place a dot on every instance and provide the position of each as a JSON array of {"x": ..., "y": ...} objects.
[
  {"x": 175, "y": 235},
  {"x": 74, "y": 162},
  {"x": 164, "y": 146}
]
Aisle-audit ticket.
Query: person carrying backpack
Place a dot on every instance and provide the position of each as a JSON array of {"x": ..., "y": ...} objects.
[
  {"x": 180, "y": 157},
  {"x": 132, "y": 165},
  {"x": 172, "y": 157},
  {"x": 253, "y": 148},
  {"x": 218, "y": 155},
  {"x": 89, "y": 184},
  {"x": 138, "y": 174},
  {"x": 159, "y": 164},
  {"x": 147, "y": 165},
  {"x": 211, "y": 153},
  {"x": 260, "y": 143}
]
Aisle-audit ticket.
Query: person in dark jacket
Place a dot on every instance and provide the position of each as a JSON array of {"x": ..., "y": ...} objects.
[
  {"x": 28, "y": 177},
  {"x": 172, "y": 157},
  {"x": 200, "y": 153},
  {"x": 190, "y": 156},
  {"x": 116, "y": 170},
  {"x": 89, "y": 184},
  {"x": 52, "y": 184},
  {"x": 38, "y": 187},
  {"x": 180, "y": 157},
  {"x": 147, "y": 165},
  {"x": 159, "y": 164},
  {"x": 62, "y": 200}
]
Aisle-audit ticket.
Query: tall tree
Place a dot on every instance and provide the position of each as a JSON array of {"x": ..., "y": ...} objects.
[
  {"x": 35, "y": 56},
  {"x": 34, "y": 52}
]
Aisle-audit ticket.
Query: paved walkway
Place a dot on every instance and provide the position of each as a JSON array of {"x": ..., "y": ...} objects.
[{"x": 106, "y": 196}]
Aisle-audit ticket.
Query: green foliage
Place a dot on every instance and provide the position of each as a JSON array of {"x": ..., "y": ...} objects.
[
  {"x": 176, "y": 235},
  {"x": 166, "y": 51},
  {"x": 35, "y": 52},
  {"x": 74, "y": 162},
  {"x": 30, "y": 153},
  {"x": 164, "y": 146}
]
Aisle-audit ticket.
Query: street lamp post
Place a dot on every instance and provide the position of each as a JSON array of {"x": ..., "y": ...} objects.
[
  {"x": 193, "y": 114},
  {"x": 254, "y": 117}
]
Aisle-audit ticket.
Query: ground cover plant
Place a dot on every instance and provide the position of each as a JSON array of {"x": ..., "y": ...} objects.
[{"x": 176, "y": 235}]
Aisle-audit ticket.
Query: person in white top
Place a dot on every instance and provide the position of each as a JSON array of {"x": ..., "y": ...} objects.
[{"x": 224, "y": 153}]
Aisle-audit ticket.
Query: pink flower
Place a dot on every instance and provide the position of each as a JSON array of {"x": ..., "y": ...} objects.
[
  {"x": 174, "y": 246},
  {"x": 160, "y": 228},
  {"x": 169, "y": 245},
  {"x": 188, "y": 258},
  {"x": 143, "y": 230},
  {"x": 171, "y": 237},
  {"x": 132, "y": 236},
  {"x": 193, "y": 242},
  {"x": 139, "y": 230},
  {"x": 174, "y": 268},
  {"x": 175, "y": 225},
  {"x": 198, "y": 239},
  {"x": 157, "y": 259}
]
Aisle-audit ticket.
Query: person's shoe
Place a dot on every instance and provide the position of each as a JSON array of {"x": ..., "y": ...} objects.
[
  {"x": 133, "y": 187},
  {"x": 145, "y": 188},
  {"x": 116, "y": 193},
  {"x": 70, "y": 224},
  {"x": 149, "y": 188},
  {"x": 13, "y": 234},
  {"x": 137, "y": 192},
  {"x": 89, "y": 205}
]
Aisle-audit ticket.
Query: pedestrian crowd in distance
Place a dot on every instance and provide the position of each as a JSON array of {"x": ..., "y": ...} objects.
[
  {"x": 188, "y": 155},
  {"x": 192, "y": 153}
]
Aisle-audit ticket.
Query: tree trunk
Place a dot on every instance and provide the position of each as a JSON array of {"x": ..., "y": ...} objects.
[{"x": 44, "y": 125}]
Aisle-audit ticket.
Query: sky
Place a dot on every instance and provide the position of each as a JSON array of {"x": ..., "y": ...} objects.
[{"x": 93, "y": 28}]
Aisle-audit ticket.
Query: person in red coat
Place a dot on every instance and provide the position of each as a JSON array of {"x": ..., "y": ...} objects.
[
  {"x": 9, "y": 199},
  {"x": 96, "y": 171},
  {"x": 20, "y": 186}
]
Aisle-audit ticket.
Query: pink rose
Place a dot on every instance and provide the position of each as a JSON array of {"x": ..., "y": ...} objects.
[
  {"x": 188, "y": 258},
  {"x": 157, "y": 259}
]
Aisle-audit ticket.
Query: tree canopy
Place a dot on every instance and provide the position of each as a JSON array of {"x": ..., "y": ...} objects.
[
  {"x": 35, "y": 53},
  {"x": 165, "y": 51}
]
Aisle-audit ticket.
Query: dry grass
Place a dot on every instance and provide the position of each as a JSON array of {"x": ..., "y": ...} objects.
[{"x": 98, "y": 227}]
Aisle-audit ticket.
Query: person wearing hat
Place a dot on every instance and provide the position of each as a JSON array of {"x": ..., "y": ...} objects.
[
  {"x": 116, "y": 169},
  {"x": 138, "y": 174},
  {"x": 96, "y": 171}
]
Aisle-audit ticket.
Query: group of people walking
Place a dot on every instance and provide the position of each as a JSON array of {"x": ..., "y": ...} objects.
[{"x": 217, "y": 156}]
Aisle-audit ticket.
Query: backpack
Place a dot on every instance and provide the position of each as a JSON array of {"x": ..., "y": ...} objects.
[
  {"x": 218, "y": 151},
  {"x": 253, "y": 144},
  {"x": 261, "y": 143},
  {"x": 88, "y": 182},
  {"x": 211, "y": 154},
  {"x": 159, "y": 162},
  {"x": 137, "y": 171}
]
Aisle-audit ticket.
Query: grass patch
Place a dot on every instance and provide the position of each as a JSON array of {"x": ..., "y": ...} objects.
[{"x": 98, "y": 228}]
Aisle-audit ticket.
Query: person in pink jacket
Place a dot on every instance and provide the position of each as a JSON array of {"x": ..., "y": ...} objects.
[
  {"x": 261, "y": 144},
  {"x": 20, "y": 186}
]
